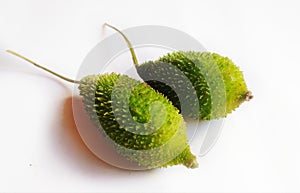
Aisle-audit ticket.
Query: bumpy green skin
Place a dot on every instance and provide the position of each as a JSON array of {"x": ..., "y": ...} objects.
[
  {"x": 219, "y": 84},
  {"x": 141, "y": 123},
  {"x": 236, "y": 88},
  {"x": 176, "y": 68}
]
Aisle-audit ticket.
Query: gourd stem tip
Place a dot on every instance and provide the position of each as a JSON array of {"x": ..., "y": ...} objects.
[
  {"x": 134, "y": 58},
  {"x": 43, "y": 68}
]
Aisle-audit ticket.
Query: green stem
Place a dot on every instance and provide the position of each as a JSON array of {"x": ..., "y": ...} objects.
[
  {"x": 135, "y": 61},
  {"x": 43, "y": 68}
]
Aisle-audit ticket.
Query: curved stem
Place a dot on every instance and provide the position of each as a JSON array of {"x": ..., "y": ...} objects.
[
  {"x": 43, "y": 68},
  {"x": 135, "y": 61}
]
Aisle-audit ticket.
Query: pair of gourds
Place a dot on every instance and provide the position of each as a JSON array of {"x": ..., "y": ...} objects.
[{"x": 144, "y": 120}]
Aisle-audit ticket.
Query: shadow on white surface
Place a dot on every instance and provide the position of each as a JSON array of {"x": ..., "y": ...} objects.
[{"x": 72, "y": 149}]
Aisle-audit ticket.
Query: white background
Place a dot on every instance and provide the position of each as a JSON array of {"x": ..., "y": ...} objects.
[{"x": 258, "y": 150}]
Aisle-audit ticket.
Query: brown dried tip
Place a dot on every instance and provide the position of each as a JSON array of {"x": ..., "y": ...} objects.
[
  {"x": 193, "y": 164},
  {"x": 249, "y": 96}
]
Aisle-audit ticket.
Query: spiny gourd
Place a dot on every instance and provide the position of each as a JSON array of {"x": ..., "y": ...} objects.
[
  {"x": 141, "y": 123},
  {"x": 200, "y": 84}
]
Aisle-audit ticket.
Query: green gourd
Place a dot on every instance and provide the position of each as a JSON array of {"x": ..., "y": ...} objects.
[
  {"x": 141, "y": 123},
  {"x": 200, "y": 84}
]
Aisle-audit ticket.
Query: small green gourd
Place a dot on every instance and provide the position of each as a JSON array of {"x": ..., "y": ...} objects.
[
  {"x": 200, "y": 84},
  {"x": 141, "y": 123}
]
